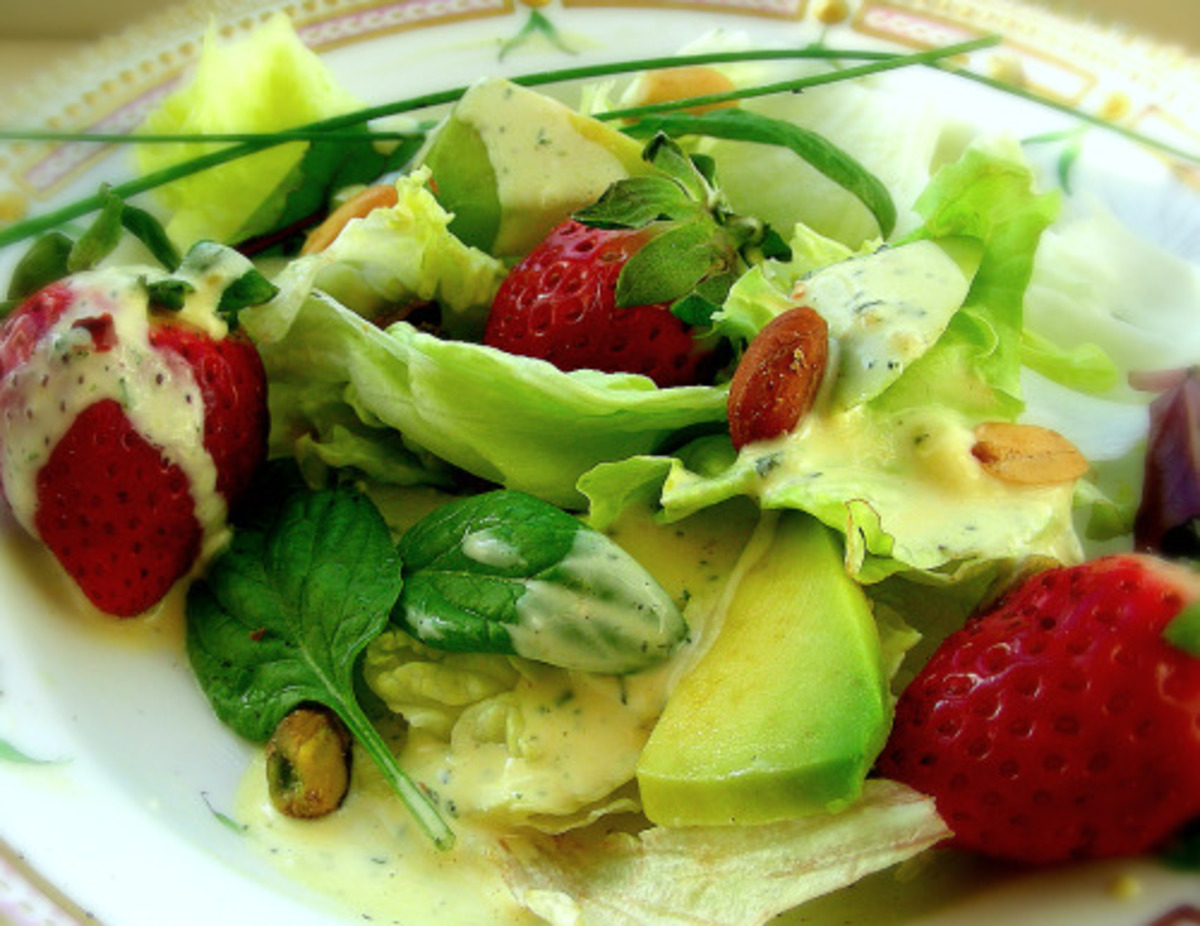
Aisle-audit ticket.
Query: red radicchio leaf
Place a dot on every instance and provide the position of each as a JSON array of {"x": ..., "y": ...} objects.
[{"x": 1168, "y": 518}]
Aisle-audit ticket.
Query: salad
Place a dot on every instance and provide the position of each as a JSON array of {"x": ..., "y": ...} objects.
[{"x": 600, "y": 505}]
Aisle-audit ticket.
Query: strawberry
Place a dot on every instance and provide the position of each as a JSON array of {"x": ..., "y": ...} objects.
[
  {"x": 1059, "y": 723},
  {"x": 559, "y": 304},
  {"x": 127, "y": 433}
]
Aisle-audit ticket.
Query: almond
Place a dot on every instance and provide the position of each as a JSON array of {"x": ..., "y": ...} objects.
[
  {"x": 1026, "y": 454},
  {"x": 358, "y": 206},
  {"x": 777, "y": 380}
]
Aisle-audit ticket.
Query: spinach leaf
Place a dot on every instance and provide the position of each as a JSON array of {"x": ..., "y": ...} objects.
[
  {"x": 285, "y": 612},
  {"x": 505, "y": 572}
]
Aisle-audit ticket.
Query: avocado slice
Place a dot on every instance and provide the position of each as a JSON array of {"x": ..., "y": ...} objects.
[
  {"x": 786, "y": 712},
  {"x": 511, "y": 163}
]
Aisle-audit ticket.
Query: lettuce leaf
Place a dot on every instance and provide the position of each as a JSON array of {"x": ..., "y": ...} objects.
[
  {"x": 394, "y": 259},
  {"x": 510, "y": 420},
  {"x": 735, "y": 875},
  {"x": 895, "y": 472},
  {"x": 264, "y": 82}
]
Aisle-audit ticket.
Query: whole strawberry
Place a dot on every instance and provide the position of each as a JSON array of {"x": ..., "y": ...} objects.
[
  {"x": 559, "y": 304},
  {"x": 126, "y": 432},
  {"x": 1060, "y": 723}
]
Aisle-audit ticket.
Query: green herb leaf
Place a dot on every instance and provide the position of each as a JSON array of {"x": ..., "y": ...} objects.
[
  {"x": 1184, "y": 630},
  {"x": 149, "y": 230},
  {"x": 741, "y": 125},
  {"x": 284, "y": 614},
  {"x": 169, "y": 294},
  {"x": 101, "y": 237},
  {"x": 41, "y": 265},
  {"x": 251, "y": 288},
  {"x": 505, "y": 572}
]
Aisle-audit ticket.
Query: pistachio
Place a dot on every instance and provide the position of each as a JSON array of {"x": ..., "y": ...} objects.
[{"x": 308, "y": 763}]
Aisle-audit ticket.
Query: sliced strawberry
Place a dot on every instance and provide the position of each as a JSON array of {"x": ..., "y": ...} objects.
[
  {"x": 233, "y": 387},
  {"x": 559, "y": 304},
  {"x": 1060, "y": 724},
  {"x": 125, "y": 511},
  {"x": 115, "y": 513}
]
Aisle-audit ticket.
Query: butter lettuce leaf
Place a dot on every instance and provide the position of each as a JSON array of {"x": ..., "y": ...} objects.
[
  {"x": 394, "y": 259},
  {"x": 509, "y": 420},
  {"x": 263, "y": 82},
  {"x": 735, "y": 875}
]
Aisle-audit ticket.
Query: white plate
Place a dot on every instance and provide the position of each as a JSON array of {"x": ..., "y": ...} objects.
[{"x": 121, "y": 820}]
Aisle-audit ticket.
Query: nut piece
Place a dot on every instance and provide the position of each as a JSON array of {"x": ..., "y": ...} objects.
[
  {"x": 1026, "y": 454},
  {"x": 308, "y": 763},
  {"x": 777, "y": 379},
  {"x": 358, "y": 206},
  {"x": 683, "y": 82}
]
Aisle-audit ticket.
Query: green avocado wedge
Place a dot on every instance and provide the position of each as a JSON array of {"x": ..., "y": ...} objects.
[
  {"x": 511, "y": 164},
  {"x": 785, "y": 713}
]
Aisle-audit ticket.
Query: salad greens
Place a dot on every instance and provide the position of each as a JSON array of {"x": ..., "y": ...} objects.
[
  {"x": 519, "y": 623},
  {"x": 283, "y": 614}
]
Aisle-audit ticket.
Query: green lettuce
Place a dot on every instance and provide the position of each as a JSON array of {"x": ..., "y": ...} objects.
[
  {"x": 264, "y": 82},
  {"x": 895, "y": 472},
  {"x": 510, "y": 420},
  {"x": 394, "y": 259}
]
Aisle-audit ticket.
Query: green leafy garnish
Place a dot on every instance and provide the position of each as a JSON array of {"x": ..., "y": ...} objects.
[
  {"x": 283, "y": 615},
  {"x": 700, "y": 245},
  {"x": 10, "y": 753},
  {"x": 742, "y": 125},
  {"x": 505, "y": 572},
  {"x": 55, "y": 255},
  {"x": 1184, "y": 630}
]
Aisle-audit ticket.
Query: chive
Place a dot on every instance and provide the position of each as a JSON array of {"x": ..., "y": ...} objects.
[{"x": 258, "y": 142}]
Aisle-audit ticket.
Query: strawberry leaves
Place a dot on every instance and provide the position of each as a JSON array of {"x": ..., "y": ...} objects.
[
  {"x": 822, "y": 154},
  {"x": 700, "y": 245}
]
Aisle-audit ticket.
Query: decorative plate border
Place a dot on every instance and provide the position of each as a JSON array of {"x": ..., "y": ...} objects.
[{"x": 1105, "y": 72}]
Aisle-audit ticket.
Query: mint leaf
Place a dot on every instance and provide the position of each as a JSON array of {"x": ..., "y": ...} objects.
[
  {"x": 285, "y": 612},
  {"x": 505, "y": 572},
  {"x": 822, "y": 154}
]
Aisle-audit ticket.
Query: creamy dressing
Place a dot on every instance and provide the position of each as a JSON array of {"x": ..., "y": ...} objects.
[
  {"x": 545, "y": 156},
  {"x": 917, "y": 467},
  {"x": 65, "y": 374},
  {"x": 884, "y": 310},
  {"x": 558, "y": 763},
  {"x": 621, "y": 603}
]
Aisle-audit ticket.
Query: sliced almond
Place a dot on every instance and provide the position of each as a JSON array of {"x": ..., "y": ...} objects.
[
  {"x": 1026, "y": 454},
  {"x": 779, "y": 376},
  {"x": 358, "y": 206}
]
